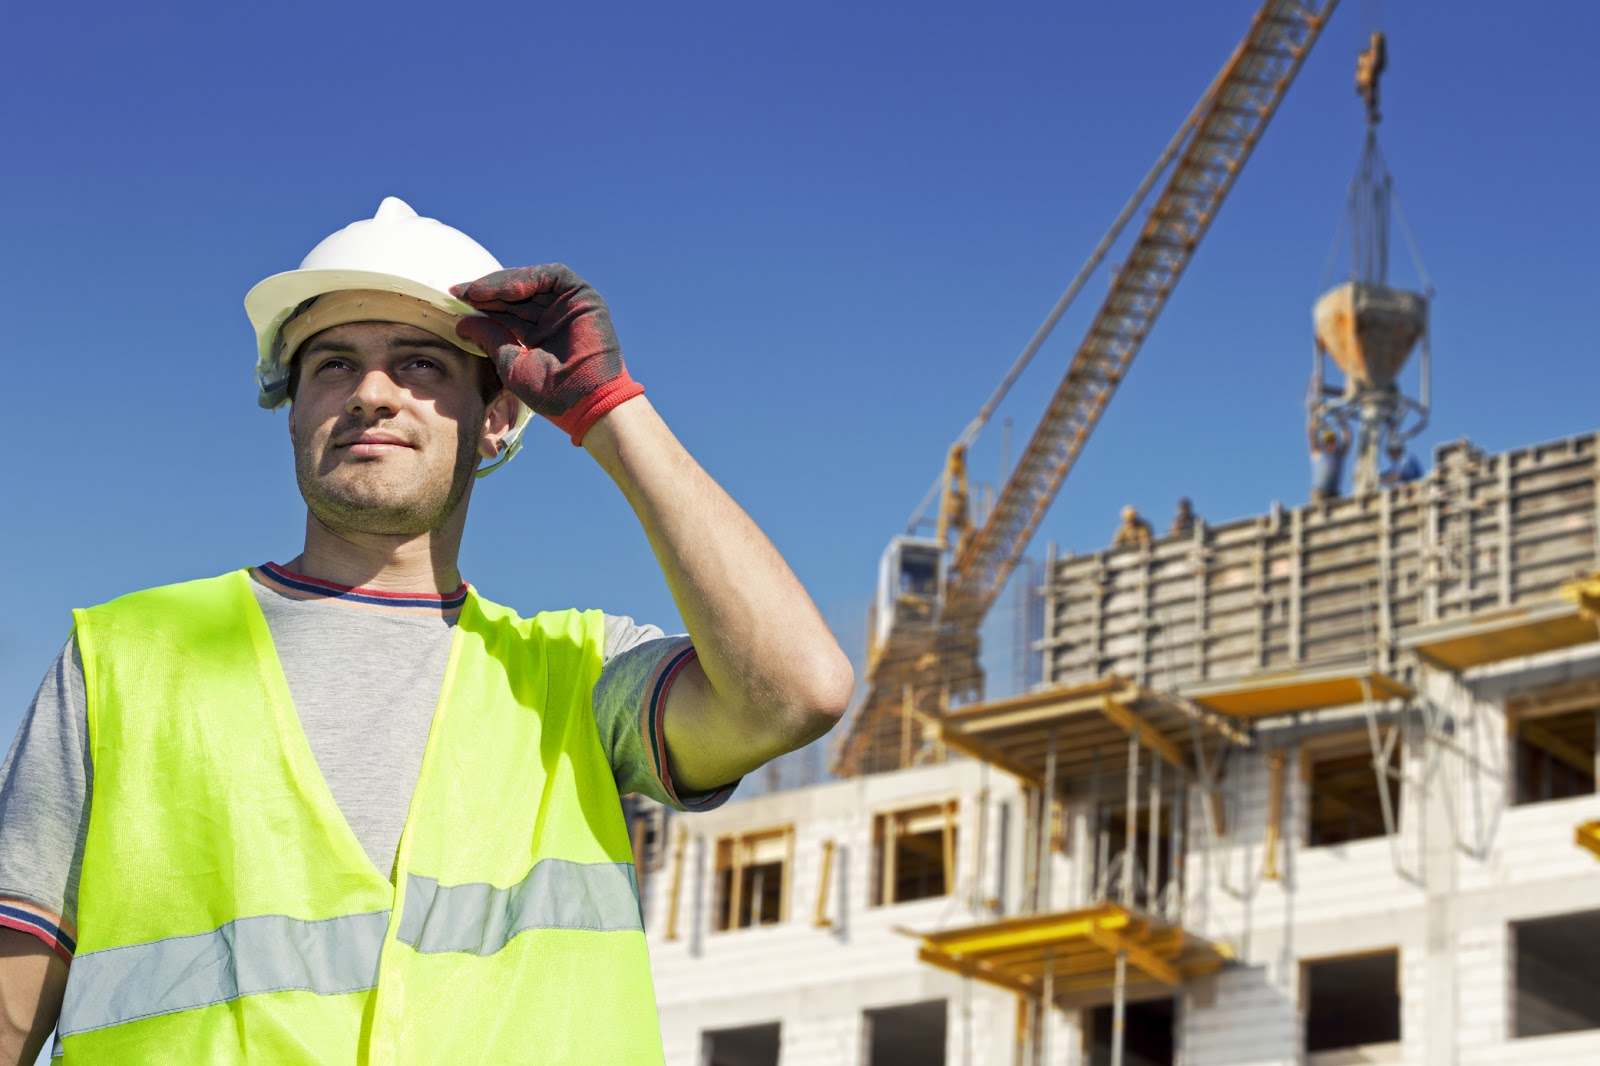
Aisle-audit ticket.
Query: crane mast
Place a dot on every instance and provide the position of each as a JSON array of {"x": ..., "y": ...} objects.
[{"x": 925, "y": 655}]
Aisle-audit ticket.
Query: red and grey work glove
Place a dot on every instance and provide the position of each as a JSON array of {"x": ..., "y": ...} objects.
[{"x": 550, "y": 336}]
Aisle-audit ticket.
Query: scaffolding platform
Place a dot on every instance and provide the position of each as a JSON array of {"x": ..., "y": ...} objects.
[
  {"x": 1070, "y": 952},
  {"x": 1085, "y": 729},
  {"x": 1498, "y": 635},
  {"x": 1288, "y": 691}
]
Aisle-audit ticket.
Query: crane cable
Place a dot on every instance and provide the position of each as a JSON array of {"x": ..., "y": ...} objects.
[{"x": 970, "y": 434}]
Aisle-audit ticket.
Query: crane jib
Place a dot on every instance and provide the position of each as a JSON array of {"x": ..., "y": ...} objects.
[{"x": 1241, "y": 101}]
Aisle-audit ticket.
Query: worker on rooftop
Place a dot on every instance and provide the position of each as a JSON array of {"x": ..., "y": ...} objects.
[
  {"x": 347, "y": 809},
  {"x": 1134, "y": 531},
  {"x": 1328, "y": 443},
  {"x": 1183, "y": 522},
  {"x": 1403, "y": 466}
]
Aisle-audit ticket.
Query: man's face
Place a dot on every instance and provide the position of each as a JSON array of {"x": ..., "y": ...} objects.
[{"x": 386, "y": 424}]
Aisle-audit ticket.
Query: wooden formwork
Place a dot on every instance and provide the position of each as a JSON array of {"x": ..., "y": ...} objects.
[{"x": 1344, "y": 581}]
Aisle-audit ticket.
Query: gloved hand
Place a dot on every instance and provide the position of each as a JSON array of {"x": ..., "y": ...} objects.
[{"x": 550, "y": 336}]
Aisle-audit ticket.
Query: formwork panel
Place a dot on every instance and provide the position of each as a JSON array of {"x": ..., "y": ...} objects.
[{"x": 1300, "y": 587}]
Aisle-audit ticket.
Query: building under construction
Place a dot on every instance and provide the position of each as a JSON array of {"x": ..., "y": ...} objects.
[{"x": 1317, "y": 786}]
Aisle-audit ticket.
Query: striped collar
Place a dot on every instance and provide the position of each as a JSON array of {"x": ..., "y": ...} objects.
[{"x": 300, "y": 587}]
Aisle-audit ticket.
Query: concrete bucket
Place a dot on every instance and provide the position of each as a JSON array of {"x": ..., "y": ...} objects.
[{"x": 1369, "y": 330}]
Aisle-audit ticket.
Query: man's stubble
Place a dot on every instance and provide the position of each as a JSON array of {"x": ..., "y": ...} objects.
[{"x": 380, "y": 498}]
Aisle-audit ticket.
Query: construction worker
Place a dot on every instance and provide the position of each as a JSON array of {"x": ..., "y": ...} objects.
[
  {"x": 347, "y": 809},
  {"x": 1134, "y": 531},
  {"x": 1403, "y": 466},
  {"x": 1328, "y": 449},
  {"x": 1184, "y": 521}
]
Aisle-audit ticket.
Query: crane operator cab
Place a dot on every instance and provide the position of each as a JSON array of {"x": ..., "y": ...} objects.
[{"x": 910, "y": 584}]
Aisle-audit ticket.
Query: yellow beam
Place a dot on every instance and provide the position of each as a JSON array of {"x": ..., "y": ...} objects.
[
  {"x": 1140, "y": 956},
  {"x": 953, "y": 737},
  {"x": 1292, "y": 690},
  {"x": 1588, "y": 837},
  {"x": 937, "y": 958},
  {"x": 823, "y": 921},
  {"x": 1015, "y": 933},
  {"x": 1129, "y": 722}
]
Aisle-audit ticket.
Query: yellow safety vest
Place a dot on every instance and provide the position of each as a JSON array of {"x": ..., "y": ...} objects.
[{"x": 227, "y": 913}]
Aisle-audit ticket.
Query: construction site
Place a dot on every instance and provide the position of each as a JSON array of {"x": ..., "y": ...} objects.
[{"x": 1312, "y": 786}]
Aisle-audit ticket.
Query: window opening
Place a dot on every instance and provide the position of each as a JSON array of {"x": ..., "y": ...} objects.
[
  {"x": 914, "y": 853},
  {"x": 752, "y": 1045},
  {"x": 1147, "y": 1034},
  {"x": 1351, "y": 1002},
  {"x": 1557, "y": 989},
  {"x": 1555, "y": 756},
  {"x": 912, "y": 1034},
  {"x": 1342, "y": 791},
  {"x": 752, "y": 878}
]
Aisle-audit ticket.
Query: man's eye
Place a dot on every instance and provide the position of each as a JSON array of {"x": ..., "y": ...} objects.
[
  {"x": 333, "y": 364},
  {"x": 425, "y": 362}
]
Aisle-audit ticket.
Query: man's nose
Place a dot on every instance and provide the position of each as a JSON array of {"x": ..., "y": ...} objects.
[{"x": 375, "y": 392}]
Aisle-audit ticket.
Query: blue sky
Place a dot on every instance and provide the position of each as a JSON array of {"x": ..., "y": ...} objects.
[{"x": 825, "y": 230}]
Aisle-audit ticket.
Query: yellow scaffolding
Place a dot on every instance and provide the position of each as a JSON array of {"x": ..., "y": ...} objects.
[
  {"x": 1288, "y": 691},
  {"x": 1588, "y": 837},
  {"x": 1074, "y": 951}
]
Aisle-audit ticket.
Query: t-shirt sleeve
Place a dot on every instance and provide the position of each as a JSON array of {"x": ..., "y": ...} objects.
[
  {"x": 44, "y": 809},
  {"x": 629, "y": 700}
]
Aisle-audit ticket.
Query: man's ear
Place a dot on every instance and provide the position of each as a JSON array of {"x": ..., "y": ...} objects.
[
  {"x": 291, "y": 419},
  {"x": 498, "y": 418}
]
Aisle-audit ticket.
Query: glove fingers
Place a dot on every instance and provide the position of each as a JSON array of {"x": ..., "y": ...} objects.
[
  {"x": 518, "y": 285},
  {"x": 486, "y": 334}
]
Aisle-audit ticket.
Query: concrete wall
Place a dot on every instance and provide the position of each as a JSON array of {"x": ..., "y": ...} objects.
[{"x": 1442, "y": 892}]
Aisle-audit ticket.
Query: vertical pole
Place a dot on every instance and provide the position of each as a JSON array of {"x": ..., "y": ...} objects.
[
  {"x": 1047, "y": 1005},
  {"x": 1275, "y": 761},
  {"x": 736, "y": 892},
  {"x": 1030, "y": 857},
  {"x": 905, "y": 727},
  {"x": 784, "y": 895},
  {"x": 1152, "y": 891},
  {"x": 1021, "y": 1057},
  {"x": 891, "y": 838},
  {"x": 1092, "y": 860},
  {"x": 1119, "y": 1008},
  {"x": 981, "y": 844},
  {"x": 822, "y": 888},
  {"x": 677, "y": 884},
  {"x": 1047, "y": 807},
  {"x": 1130, "y": 847},
  {"x": 1175, "y": 844},
  {"x": 950, "y": 848}
]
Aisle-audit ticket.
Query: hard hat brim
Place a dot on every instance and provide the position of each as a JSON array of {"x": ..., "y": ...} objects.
[{"x": 270, "y": 303}]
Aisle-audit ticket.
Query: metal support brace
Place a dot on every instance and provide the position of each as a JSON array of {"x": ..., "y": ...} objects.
[
  {"x": 1383, "y": 745},
  {"x": 1047, "y": 806},
  {"x": 1130, "y": 845}
]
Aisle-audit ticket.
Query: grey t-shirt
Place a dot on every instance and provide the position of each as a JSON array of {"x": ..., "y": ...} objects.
[{"x": 364, "y": 677}]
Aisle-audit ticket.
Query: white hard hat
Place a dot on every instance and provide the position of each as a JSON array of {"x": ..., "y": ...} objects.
[{"x": 396, "y": 250}]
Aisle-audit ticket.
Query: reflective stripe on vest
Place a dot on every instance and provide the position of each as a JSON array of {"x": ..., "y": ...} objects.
[
  {"x": 245, "y": 957},
  {"x": 274, "y": 953},
  {"x": 481, "y": 919}
]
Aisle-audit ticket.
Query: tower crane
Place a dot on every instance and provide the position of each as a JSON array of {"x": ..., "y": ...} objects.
[{"x": 933, "y": 593}]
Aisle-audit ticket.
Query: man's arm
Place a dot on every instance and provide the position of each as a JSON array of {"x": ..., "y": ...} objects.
[
  {"x": 32, "y": 979},
  {"x": 768, "y": 676}
]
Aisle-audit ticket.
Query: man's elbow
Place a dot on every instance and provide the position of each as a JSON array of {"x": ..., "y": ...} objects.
[{"x": 821, "y": 697}]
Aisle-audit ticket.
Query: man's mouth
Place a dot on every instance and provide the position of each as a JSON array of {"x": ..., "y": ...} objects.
[{"x": 373, "y": 443}]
